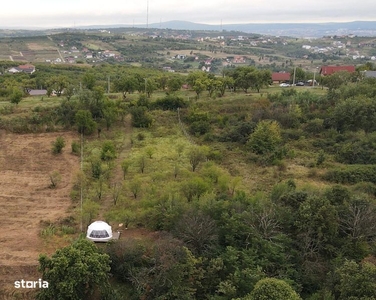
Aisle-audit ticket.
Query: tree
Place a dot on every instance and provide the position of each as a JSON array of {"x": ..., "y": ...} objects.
[
  {"x": 196, "y": 155},
  {"x": 88, "y": 80},
  {"x": 199, "y": 86},
  {"x": 85, "y": 122},
  {"x": 194, "y": 188},
  {"x": 140, "y": 117},
  {"x": 265, "y": 138},
  {"x": 174, "y": 84},
  {"x": 125, "y": 166},
  {"x": 198, "y": 231},
  {"x": 69, "y": 91},
  {"x": 58, "y": 84},
  {"x": 108, "y": 151},
  {"x": 356, "y": 281},
  {"x": 74, "y": 272},
  {"x": 109, "y": 113},
  {"x": 337, "y": 79},
  {"x": 150, "y": 87},
  {"x": 273, "y": 289},
  {"x": 223, "y": 83},
  {"x": 126, "y": 84},
  {"x": 135, "y": 185},
  {"x": 16, "y": 96}
]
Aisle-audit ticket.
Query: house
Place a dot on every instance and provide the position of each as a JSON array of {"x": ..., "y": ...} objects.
[
  {"x": 329, "y": 70},
  {"x": 370, "y": 74},
  {"x": 239, "y": 60},
  {"x": 29, "y": 69},
  {"x": 281, "y": 77},
  {"x": 32, "y": 92}
]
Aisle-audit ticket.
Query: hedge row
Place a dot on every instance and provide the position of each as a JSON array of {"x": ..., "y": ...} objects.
[{"x": 352, "y": 174}]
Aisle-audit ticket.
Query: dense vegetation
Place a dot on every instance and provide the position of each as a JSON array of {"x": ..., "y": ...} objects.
[{"x": 262, "y": 195}]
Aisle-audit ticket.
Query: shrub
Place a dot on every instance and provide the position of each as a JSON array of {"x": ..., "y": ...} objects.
[
  {"x": 140, "y": 117},
  {"x": 140, "y": 136},
  {"x": 108, "y": 151},
  {"x": 55, "y": 179},
  {"x": 199, "y": 127},
  {"x": 58, "y": 145},
  {"x": 170, "y": 102},
  {"x": 352, "y": 174},
  {"x": 75, "y": 147},
  {"x": 265, "y": 138}
]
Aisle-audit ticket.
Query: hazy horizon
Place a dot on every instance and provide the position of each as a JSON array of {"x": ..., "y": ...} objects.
[{"x": 53, "y": 14}]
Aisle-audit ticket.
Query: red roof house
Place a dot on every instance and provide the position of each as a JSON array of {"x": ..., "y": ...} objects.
[
  {"x": 329, "y": 70},
  {"x": 280, "y": 77}
]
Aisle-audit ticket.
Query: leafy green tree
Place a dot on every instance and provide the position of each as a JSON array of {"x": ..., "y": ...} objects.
[
  {"x": 126, "y": 84},
  {"x": 109, "y": 113},
  {"x": 300, "y": 75},
  {"x": 265, "y": 138},
  {"x": 357, "y": 281},
  {"x": 336, "y": 80},
  {"x": 259, "y": 79},
  {"x": 174, "y": 84},
  {"x": 199, "y": 86},
  {"x": 69, "y": 91},
  {"x": 224, "y": 83},
  {"x": 273, "y": 289},
  {"x": 58, "y": 83},
  {"x": 196, "y": 155},
  {"x": 194, "y": 188},
  {"x": 85, "y": 122},
  {"x": 75, "y": 272},
  {"x": 16, "y": 96},
  {"x": 135, "y": 185},
  {"x": 140, "y": 117},
  {"x": 66, "y": 113},
  {"x": 108, "y": 151},
  {"x": 150, "y": 87},
  {"x": 89, "y": 80}
]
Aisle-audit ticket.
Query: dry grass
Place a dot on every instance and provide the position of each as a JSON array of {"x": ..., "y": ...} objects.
[{"x": 25, "y": 163}]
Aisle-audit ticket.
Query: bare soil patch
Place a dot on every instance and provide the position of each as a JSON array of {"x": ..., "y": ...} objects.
[{"x": 26, "y": 160}]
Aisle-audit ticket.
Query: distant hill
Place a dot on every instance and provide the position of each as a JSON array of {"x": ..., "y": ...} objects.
[{"x": 359, "y": 28}]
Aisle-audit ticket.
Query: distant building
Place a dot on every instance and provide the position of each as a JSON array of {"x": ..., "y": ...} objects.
[
  {"x": 329, "y": 70},
  {"x": 239, "y": 60},
  {"x": 370, "y": 74},
  {"x": 36, "y": 92},
  {"x": 281, "y": 77},
  {"x": 29, "y": 69}
]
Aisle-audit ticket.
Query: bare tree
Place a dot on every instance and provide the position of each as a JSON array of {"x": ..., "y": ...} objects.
[{"x": 198, "y": 231}]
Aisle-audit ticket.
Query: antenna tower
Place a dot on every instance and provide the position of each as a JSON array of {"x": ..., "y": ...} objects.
[{"x": 147, "y": 14}]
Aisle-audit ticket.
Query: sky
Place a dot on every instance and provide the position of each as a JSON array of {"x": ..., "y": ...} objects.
[{"x": 71, "y": 13}]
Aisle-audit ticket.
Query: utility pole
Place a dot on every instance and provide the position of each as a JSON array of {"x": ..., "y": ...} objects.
[
  {"x": 81, "y": 168},
  {"x": 293, "y": 80},
  {"x": 314, "y": 79}
]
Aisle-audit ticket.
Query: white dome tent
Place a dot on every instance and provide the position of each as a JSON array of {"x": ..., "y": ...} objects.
[{"x": 99, "y": 231}]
